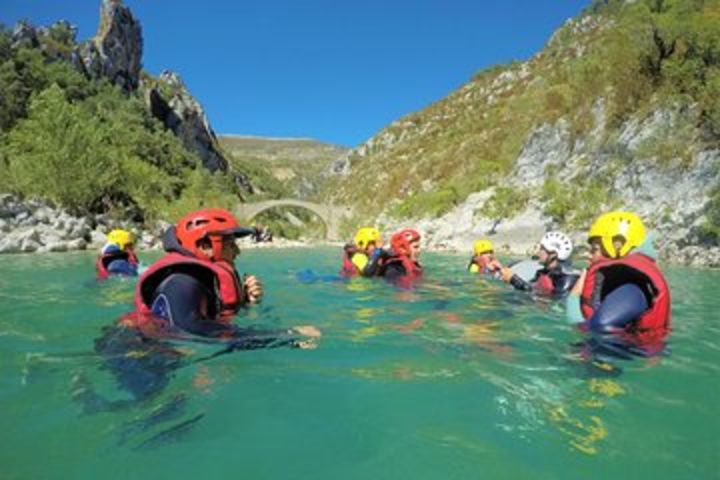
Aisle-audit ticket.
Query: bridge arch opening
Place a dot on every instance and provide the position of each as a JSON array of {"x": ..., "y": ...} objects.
[
  {"x": 291, "y": 222},
  {"x": 328, "y": 217}
]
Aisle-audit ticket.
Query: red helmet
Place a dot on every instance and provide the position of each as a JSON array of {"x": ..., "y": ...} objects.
[
  {"x": 400, "y": 241},
  {"x": 210, "y": 223}
]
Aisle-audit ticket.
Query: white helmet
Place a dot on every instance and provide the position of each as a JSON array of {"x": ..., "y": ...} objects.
[{"x": 559, "y": 243}]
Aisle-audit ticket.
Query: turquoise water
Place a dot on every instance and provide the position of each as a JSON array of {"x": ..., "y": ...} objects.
[{"x": 459, "y": 378}]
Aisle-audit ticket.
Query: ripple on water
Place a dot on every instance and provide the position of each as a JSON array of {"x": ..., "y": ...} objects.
[{"x": 460, "y": 371}]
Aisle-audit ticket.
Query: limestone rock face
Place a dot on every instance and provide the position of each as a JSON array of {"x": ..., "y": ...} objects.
[
  {"x": 24, "y": 35},
  {"x": 184, "y": 115},
  {"x": 116, "y": 51}
]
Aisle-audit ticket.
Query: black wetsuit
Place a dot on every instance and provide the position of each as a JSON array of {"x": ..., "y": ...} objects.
[
  {"x": 374, "y": 267},
  {"x": 143, "y": 366},
  {"x": 561, "y": 279},
  {"x": 189, "y": 306}
]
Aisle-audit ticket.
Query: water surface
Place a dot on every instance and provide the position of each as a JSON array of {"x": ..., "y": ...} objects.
[{"x": 458, "y": 378}]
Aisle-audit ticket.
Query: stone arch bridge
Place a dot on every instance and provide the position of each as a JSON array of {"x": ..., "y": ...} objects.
[{"x": 331, "y": 215}]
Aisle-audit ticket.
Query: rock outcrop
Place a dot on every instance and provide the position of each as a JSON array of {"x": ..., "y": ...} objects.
[
  {"x": 37, "y": 226},
  {"x": 671, "y": 198},
  {"x": 562, "y": 139},
  {"x": 115, "y": 54},
  {"x": 116, "y": 51},
  {"x": 184, "y": 115}
]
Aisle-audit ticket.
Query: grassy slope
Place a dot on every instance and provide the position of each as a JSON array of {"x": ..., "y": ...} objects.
[
  {"x": 293, "y": 167},
  {"x": 432, "y": 159}
]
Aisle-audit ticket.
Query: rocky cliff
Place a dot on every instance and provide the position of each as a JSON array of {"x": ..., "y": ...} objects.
[
  {"x": 605, "y": 116},
  {"x": 115, "y": 54}
]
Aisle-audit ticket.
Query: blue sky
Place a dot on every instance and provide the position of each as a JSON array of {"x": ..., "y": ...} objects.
[{"x": 333, "y": 70}]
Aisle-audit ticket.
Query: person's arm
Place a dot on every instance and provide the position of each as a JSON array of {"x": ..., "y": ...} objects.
[
  {"x": 372, "y": 268},
  {"x": 573, "y": 312},
  {"x": 507, "y": 276},
  {"x": 187, "y": 304},
  {"x": 252, "y": 338},
  {"x": 394, "y": 271}
]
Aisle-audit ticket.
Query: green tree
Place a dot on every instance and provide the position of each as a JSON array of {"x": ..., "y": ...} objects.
[{"x": 59, "y": 153}]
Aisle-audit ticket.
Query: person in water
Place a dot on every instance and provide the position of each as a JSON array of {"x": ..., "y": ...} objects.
[
  {"x": 622, "y": 299},
  {"x": 402, "y": 261},
  {"x": 196, "y": 289},
  {"x": 483, "y": 260},
  {"x": 117, "y": 256},
  {"x": 189, "y": 295},
  {"x": 554, "y": 278},
  {"x": 365, "y": 255}
]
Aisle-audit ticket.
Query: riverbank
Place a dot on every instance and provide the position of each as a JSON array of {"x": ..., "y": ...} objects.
[{"x": 36, "y": 226}]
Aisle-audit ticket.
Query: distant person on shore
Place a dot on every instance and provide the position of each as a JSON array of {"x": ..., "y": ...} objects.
[
  {"x": 365, "y": 255},
  {"x": 196, "y": 289},
  {"x": 554, "y": 277},
  {"x": 262, "y": 234},
  {"x": 622, "y": 299},
  {"x": 483, "y": 260},
  {"x": 117, "y": 256},
  {"x": 402, "y": 262}
]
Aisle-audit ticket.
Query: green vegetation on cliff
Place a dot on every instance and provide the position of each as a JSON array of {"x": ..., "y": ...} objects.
[
  {"x": 617, "y": 62},
  {"x": 88, "y": 146}
]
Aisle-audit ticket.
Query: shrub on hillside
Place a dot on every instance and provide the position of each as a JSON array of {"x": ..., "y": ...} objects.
[
  {"x": 505, "y": 203},
  {"x": 574, "y": 205}
]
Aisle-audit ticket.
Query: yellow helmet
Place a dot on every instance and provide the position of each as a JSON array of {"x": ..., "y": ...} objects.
[
  {"x": 121, "y": 238},
  {"x": 367, "y": 235},
  {"x": 612, "y": 225},
  {"x": 482, "y": 246}
]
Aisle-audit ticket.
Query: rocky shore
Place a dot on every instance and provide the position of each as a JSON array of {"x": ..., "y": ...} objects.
[{"x": 36, "y": 226}]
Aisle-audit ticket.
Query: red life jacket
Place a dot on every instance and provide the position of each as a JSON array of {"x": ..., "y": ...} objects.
[
  {"x": 218, "y": 277},
  {"x": 349, "y": 269},
  {"x": 544, "y": 284},
  {"x": 653, "y": 325},
  {"x": 105, "y": 259}
]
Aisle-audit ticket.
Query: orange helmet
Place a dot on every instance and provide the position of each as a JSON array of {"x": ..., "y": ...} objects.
[
  {"x": 400, "y": 241},
  {"x": 210, "y": 223}
]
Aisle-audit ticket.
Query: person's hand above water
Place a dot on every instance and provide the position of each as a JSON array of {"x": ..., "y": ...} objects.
[
  {"x": 495, "y": 266},
  {"x": 313, "y": 333},
  {"x": 506, "y": 274},
  {"x": 578, "y": 287},
  {"x": 253, "y": 288}
]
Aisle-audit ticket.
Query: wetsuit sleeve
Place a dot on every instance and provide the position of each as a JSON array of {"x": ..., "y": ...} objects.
[
  {"x": 618, "y": 309},
  {"x": 250, "y": 338},
  {"x": 188, "y": 305},
  {"x": 374, "y": 263},
  {"x": 520, "y": 284},
  {"x": 394, "y": 271}
]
